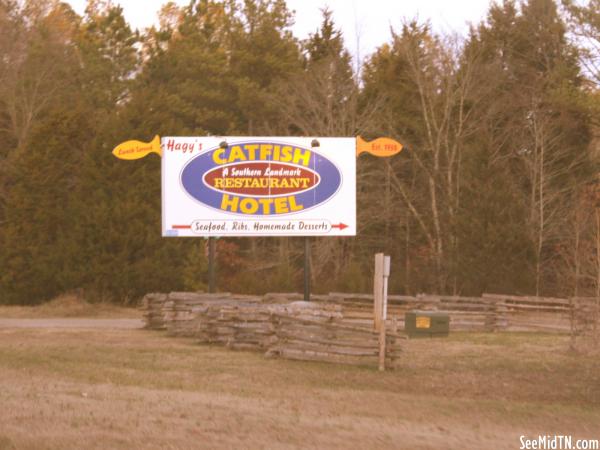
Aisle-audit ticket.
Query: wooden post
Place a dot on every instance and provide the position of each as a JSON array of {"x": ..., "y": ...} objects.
[
  {"x": 380, "y": 284},
  {"x": 386, "y": 275},
  {"x": 378, "y": 291},
  {"x": 382, "y": 346}
]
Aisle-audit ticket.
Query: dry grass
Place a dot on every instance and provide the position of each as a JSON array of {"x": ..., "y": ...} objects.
[
  {"x": 140, "y": 389},
  {"x": 68, "y": 306}
]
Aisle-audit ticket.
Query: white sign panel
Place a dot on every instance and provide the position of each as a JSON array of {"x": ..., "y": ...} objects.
[{"x": 258, "y": 186}]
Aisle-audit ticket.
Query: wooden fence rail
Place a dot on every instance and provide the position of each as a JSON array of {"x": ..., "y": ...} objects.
[
  {"x": 185, "y": 313},
  {"x": 278, "y": 325}
]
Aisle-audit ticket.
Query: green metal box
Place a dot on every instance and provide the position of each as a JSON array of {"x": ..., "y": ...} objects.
[{"x": 426, "y": 324}]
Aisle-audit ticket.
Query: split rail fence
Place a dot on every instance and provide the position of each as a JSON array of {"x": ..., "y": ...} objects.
[
  {"x": 338, "y": 327},
  {"x": 490, "y": 312},
  {"x": 277, "y": 325}
]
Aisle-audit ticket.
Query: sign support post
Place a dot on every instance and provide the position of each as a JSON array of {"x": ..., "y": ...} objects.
[
  {"x": 314, "y": 144},
  {"x": 211, "y": 265},
  {"x": 307, "y": 269}
]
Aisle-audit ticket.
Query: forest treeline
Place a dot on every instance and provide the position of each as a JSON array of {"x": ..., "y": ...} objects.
[{"x": 495, "y": 191}]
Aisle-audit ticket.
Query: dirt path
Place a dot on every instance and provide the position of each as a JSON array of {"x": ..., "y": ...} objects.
[{"x": 120, "y": 324}]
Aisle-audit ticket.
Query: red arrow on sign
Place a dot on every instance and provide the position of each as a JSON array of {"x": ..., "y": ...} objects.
[{"x": 340, "y": 225}]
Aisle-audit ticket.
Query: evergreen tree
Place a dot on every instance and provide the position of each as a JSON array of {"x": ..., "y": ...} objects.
[
  {"x": 122, "y": 252},
  {"x": 40, "y": 176}
]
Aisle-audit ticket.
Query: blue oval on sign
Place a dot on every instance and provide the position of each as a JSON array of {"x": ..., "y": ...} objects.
[{"x": 261, "y": 178}]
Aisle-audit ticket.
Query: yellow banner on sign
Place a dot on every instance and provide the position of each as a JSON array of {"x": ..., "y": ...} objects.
[
  {"x": 379, "y": 147},
  {"x": 137, "y": 149}
]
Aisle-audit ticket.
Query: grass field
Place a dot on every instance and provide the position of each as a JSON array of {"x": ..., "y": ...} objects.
[
  {"x": 99, "y": 389},
  {"x": 69, "y": 306}
]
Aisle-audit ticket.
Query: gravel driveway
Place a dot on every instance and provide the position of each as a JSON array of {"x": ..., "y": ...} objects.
[{"x": 122, "y": 324}]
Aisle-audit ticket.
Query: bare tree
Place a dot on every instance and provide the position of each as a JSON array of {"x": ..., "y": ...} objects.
[
  {"x": 441, "y": 74},
  {"x": 33, "y": 41}
]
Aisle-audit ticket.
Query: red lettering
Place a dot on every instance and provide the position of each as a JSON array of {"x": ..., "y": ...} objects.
[{"x": 179, "y": 147}]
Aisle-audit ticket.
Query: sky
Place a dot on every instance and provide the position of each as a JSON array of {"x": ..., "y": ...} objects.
[{"x": 365, "y": 24}]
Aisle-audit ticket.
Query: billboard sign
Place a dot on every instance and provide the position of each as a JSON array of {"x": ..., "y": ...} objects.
[{"x": 258, "y": 186}]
